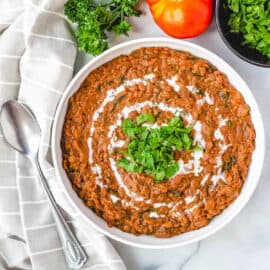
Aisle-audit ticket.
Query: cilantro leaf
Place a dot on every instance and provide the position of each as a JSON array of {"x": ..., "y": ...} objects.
[
  {"x": 129, "y": 166},
  {"x": 129, "y": 128},
  {"x": 160, "y": 175},
  {"x": 176, "y": 121},
  {"x": 187, "y": 141},
  {"x": 147, "y": 117},
  {"x": 171, "y": 170}
]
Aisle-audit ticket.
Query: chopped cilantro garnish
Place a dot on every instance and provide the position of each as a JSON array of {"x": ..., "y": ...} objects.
[
  {"x": 251, "y": 19},
  {"x": 152, "y": 150},
  {"x": 147, "y": 117}
]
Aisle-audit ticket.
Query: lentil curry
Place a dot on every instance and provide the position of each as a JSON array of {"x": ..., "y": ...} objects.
[{"x": 164, "y": 83}]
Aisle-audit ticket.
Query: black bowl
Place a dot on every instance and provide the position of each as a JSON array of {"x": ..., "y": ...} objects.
[{"x": 234, "y": 40}]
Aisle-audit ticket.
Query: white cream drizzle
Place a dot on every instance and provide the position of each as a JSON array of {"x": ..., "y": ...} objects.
[
  {"x": 98, "y": 172},
  {"x": 218, "y": 134},
  {"x": 190, "y": 199},
  {"x": 185, "y": 168},
  {"x": 193, "y": 165},
  {"x": 222, "y": 122},
  {"x": 222, "y": 148},
  {"x": 204, "y": 180},
  {"x": 89, "y": 142},
  {"x": 206, "y": 99},
  {"x": 129, "y": 204},
  {"x": 197, "y": 155},
  {"x": 138, "y": 107},
  {"x": 158, "y": 205},
  {"x": 111, "y": 94},
  {"x": 118, "y": 144},
  {"x": 219, "y": 176},
  {"x": 156, "y": 215},
  {"x": 114, "y": 198},
  {"x": 122, "y": 184},
  {"x": 188, "y": 117},
  {"x": 190, "y": 210},
  {"x": 192, "y": 89},
  {"x": 172, "y": 82},
  {"x": 175, "y": 214},
  {"x": 198, "y": 138}
]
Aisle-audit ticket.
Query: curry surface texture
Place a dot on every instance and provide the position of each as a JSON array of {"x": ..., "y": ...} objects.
[{"x": 164, "y": 82}]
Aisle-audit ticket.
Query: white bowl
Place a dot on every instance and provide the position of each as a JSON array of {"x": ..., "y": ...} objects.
[{"x": 219, "y": 221}]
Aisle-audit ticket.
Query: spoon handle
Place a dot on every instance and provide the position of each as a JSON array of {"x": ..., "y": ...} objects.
[{"x": 74, "y": 253}]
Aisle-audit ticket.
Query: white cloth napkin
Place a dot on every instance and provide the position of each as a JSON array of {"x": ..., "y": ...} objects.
[{"x": 37, "y": 54}]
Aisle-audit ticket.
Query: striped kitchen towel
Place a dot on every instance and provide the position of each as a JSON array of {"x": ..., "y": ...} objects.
[{"x": 37, "y": 54}]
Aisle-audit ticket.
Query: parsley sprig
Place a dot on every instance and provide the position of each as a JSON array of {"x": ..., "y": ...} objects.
[
  {"x": 151, "y": 150},
  {"x": 96, "y": 18}
]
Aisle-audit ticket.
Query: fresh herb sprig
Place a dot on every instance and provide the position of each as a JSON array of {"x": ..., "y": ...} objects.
[
  {"x": 151, "y": 151},
  {"x": 95, "y": 19},
  {"x": 252, "y": 20}
]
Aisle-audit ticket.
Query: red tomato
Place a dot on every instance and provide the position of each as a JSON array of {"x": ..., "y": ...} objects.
[{"x": 182, "y": 18}]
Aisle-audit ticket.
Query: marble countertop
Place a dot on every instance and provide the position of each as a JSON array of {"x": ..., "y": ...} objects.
[{"x": 245, "y": 242}]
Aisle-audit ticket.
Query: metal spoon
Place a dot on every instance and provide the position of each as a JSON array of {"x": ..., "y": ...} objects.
[{"x": 22, "y": 132}]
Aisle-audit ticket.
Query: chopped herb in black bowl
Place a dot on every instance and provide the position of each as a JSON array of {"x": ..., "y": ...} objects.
[{"x": 245, "y": 28}]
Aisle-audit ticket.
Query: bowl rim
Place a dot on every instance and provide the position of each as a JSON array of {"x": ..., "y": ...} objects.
[
  {"x": 203, "y": 232},
  {"x": 228, "y": 44}
]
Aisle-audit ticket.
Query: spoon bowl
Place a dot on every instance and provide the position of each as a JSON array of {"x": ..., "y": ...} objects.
[{"x": 20, "y": 128}]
